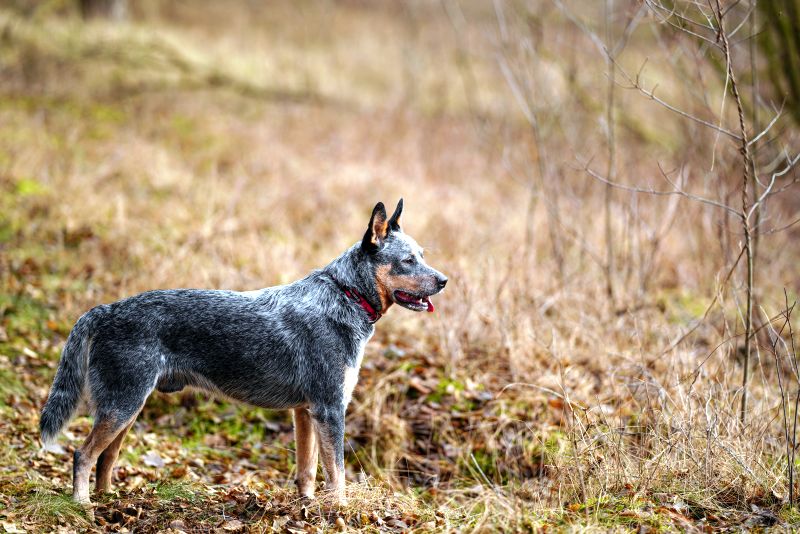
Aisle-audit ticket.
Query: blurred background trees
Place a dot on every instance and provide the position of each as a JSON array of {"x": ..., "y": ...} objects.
[
  {"x": 576, "y": 167},
  {"x": 112, "y": 9},
  {"x": 780, "y": 41}
]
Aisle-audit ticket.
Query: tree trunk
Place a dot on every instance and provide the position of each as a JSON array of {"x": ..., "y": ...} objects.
[{"x": 109, "y": 9}]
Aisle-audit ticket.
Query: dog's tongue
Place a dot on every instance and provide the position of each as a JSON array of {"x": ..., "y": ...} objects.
[{"x": 430, "y": 306}]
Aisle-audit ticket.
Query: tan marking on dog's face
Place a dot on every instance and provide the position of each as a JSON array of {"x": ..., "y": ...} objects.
[
  {"x": 382, "y": 277},
  {"x": 388, "y": 283}
]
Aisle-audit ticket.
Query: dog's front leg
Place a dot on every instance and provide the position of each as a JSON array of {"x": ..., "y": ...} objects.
[
  {"x": 329, "y": 422},
  {"x": 305, "y": 438}
]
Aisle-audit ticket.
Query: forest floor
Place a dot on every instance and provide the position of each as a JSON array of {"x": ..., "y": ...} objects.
[{"x": 173, "y": 151}]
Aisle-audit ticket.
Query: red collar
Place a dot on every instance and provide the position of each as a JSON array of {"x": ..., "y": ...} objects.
[{"x": 356, "y": 296}]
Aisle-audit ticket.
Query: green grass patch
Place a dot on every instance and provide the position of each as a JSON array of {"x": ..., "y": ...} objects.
[
  {"x": 790, "y": 514},
  {"x": 546, "y": 451},
  {"x": 22, "y": 313},
  {"x": 49, "y": 508},
  {"x": 10, "y": 384},
  {"x": 682, "y": 306},
  {"x": 616, "y": 512},
  {"x": 27, "y": 187},
  {"x": 484, "y": 463},
  {"x": 446, "y": 387},
  {"x": 171, "y": 490}
]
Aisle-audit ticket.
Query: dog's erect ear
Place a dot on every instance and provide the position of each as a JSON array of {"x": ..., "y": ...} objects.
[
  {"x": 377, "y": 230},
  {"x": 394, "y": 222}
]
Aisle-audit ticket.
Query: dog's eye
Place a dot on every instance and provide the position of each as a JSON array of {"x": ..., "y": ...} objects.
[{"x": 409, "y": 261}]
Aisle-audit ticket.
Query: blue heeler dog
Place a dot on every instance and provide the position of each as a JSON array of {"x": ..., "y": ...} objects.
[{"x": 295, "y": 346}]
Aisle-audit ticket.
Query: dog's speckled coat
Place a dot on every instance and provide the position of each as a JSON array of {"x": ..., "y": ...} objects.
[{"x": 294, "y": 346}]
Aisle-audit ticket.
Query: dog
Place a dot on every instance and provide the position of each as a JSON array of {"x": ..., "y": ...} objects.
[{"x": 298, "y": 346}]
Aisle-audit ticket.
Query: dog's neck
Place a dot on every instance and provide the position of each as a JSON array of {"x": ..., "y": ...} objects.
[
  {"x": 353, "y": 275},
  {"x": 357, "y": 297}
]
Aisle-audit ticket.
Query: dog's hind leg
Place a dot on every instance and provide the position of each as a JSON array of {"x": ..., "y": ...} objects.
[
  {"x": 307, "y": 452},
  {"x": 122, "y": 372},
  {"x": 329, "y": 423},
  {"x": 107, "y": 458},
  {"x": 103, "y": 433}
]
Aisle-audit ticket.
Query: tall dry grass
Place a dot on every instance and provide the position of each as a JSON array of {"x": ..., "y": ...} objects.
[{"x": 241, "y": 146}]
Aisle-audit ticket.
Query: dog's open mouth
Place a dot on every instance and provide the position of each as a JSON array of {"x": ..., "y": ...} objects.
[{"x": 413, "y": 302}]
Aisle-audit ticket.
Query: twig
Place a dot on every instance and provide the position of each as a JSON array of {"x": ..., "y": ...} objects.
[
  {"x": 745, "y": 214},
  {"x": 739, "y": 461},
  {"x": 768, "y": 191},
  {"x": 708, "y": 309},
  {"x": 776, "y": 355},
  {"x": 636, "y": 84},
  {"x": 793, "y": 356},
  {"x": 767, "y": 128},
  {"x": 572, "y": 404},
  {"x": 652, "y": 191}
]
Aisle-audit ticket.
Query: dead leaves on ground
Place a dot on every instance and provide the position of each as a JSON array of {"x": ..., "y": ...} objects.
[{"x": 235, "y": 509}]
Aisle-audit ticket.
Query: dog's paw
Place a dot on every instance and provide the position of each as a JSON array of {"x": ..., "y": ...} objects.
[
  {"x": 306, "y": 490},
  {"x": 83, "y": 500},
  {"x": 338, "y": 498},
  {"x": 333, "y": 498},
  {"x": 306, "y": 496},
  {"x": 86, "y": 504}
]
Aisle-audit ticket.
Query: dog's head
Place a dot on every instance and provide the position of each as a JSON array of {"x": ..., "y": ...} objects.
[{"x": 397, "y": 264}]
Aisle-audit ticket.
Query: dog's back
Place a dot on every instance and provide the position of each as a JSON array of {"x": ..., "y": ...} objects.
[{"x": 257, "y": 347}]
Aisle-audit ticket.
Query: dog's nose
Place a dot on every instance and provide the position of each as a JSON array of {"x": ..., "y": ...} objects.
[{"x": 442, "y": 282}]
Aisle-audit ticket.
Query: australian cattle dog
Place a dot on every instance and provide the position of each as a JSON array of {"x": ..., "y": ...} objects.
[{"x": 295, "y": 346}]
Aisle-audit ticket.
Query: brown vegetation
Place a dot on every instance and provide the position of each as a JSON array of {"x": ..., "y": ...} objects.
[{"x": 580, "y": 370}]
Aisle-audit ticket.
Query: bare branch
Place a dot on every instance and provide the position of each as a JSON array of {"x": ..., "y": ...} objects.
[
  {"x": 768, "y": 191},
  {"x": 705, "y": 314},
  {"x": 513, "y": 84},
  {"x": 741, "y": 23},
  {"x": 598, "y": 43},
  {"x": 769, "y": 126},
  {"x": 633, "y": 22},
  {"x": 636, "y": 84},
  {"x": 671, "y": 13},
  {"x": 651, "y": 191},
  {"x": 782, "y": 228}
]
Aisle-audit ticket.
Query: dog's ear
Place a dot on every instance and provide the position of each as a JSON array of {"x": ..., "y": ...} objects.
[
  {"x": 394, "y": 221},
  {"x": 377, "y": 230}
]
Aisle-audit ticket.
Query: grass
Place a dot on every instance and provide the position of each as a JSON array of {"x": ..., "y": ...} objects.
[
  {"x": 169, "y": 491},
  {"x": 9, "y": 384},
  {"x": 50, "y": 509},
  {"x": 175, "y": 151}
]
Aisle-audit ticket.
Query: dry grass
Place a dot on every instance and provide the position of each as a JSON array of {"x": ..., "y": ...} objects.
[{"x": 176, "y": 151}]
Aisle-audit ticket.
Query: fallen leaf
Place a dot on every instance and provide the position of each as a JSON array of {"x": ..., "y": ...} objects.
[
  {"x": 55, "y": 448},
  {"x": 153, "y": 459},
  {"x": 179, "y": 472},
  {"x": 417, "y": 384},
  {"x": 396, "y": 523},
  {"x": 233, "y": 525},
  {"x": 279, "y": 522}
]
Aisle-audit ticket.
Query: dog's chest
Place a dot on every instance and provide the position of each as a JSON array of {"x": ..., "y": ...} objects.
[{"x": 351, "y": 376}]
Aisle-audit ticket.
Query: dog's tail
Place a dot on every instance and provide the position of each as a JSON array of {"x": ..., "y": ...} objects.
[{"x": 68, "y": 385}]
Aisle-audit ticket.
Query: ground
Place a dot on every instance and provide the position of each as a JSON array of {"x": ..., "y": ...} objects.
[{"x": 231, "y": 145}]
